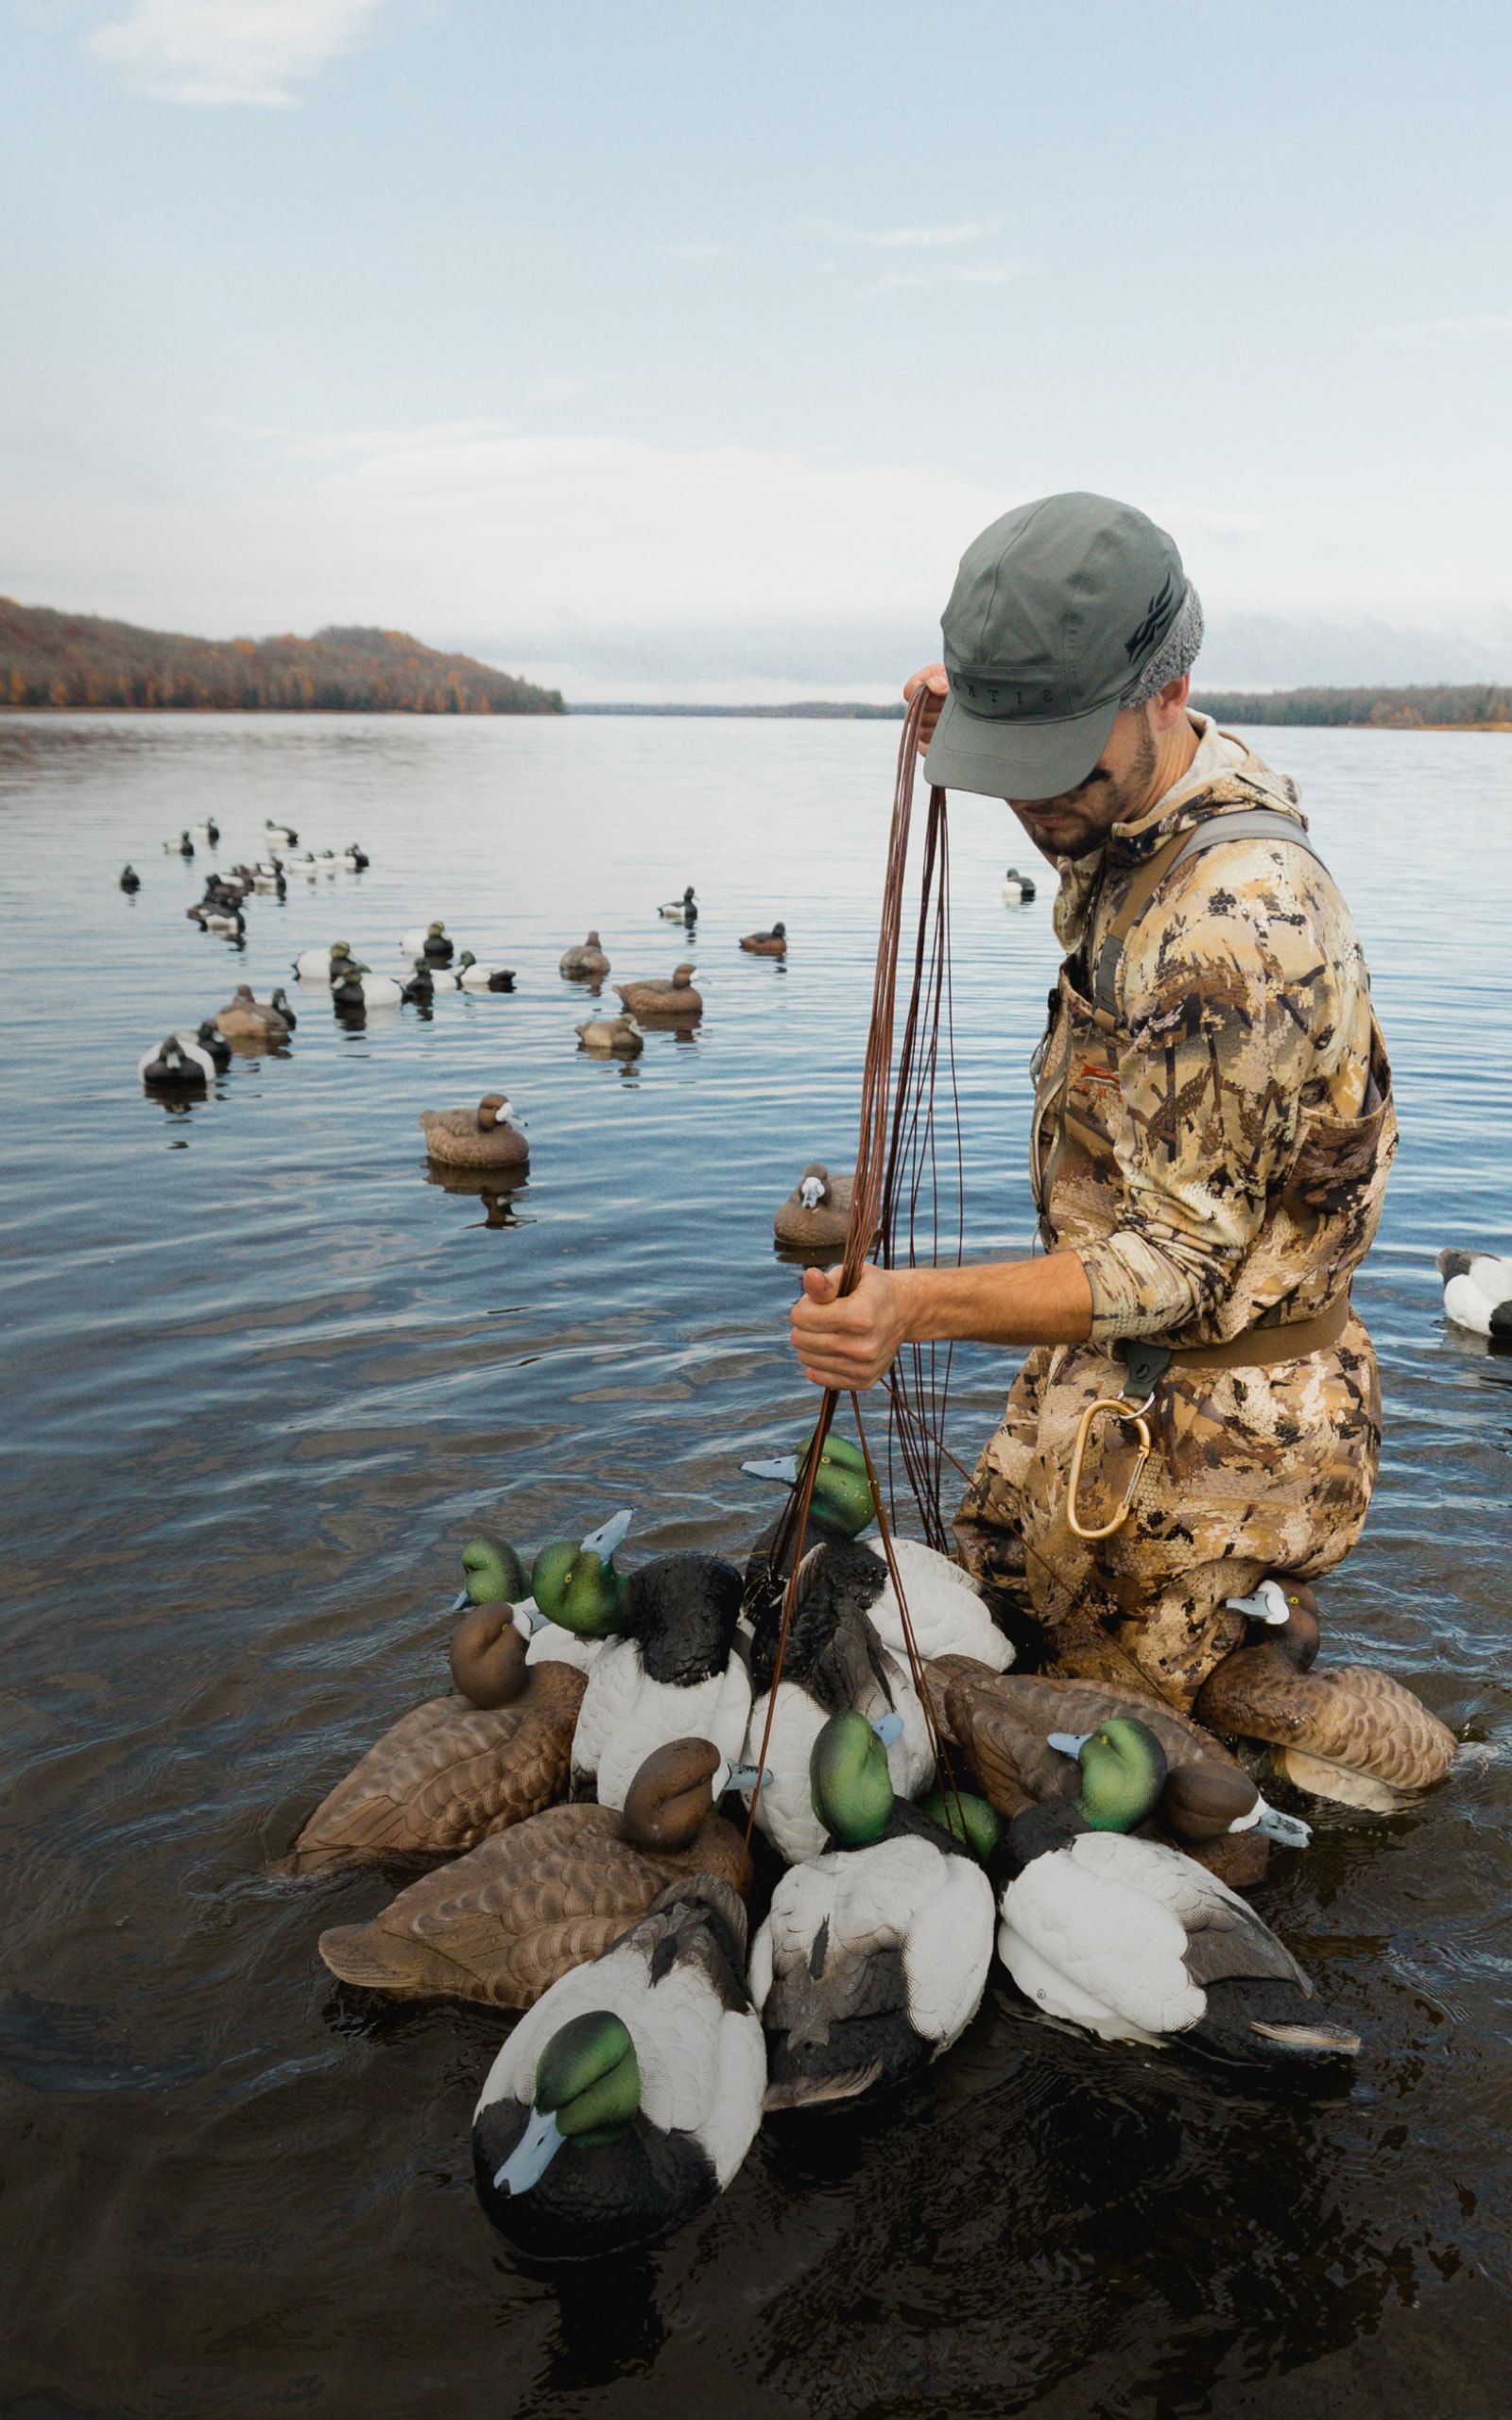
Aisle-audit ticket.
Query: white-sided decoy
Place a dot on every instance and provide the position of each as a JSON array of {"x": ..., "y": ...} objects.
[
  {"x": 1018, "y": 888},
  {"x": 680, "y": 911},
  {"x": 177, "y": 1065},
  {"x": 1477, "y": 1292},
  {"x": 279, "y": 835}
]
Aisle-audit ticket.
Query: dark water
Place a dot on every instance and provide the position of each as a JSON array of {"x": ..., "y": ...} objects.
[{"x": 262, "y": 1377}]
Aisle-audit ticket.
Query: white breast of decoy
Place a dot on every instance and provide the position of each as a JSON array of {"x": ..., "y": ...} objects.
[
  {"x": 903, "y": 1894},
  {"x": 947, "y": 1613},
  {"x": 1472, "y": 1294},
  {"x": 551, "y": 1644},
  {"x": 784, "y": 1810},
  {"x": 625, "y": 1714}
]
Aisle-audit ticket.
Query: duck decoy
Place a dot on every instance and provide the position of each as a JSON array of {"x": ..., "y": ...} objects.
[
  {"x": 1348, "y": 1733},
  {"x": 302, "y": 862},
  {"x": 816, "y": 1215},
  {"x": 328, "y": 965},
  {"x": 485, "y": 1137},
  {"x": 485, "y": 979},
  {"x": 353, "y": 859},
  {"x": 270, "y": 879},
  {"x": 447, "y": 1776},
  {"x": 527, "y": 1907},
  {"x": 656, "y": 998},
  {"x": 177, "y": 1065},
  {"x": 209, "y": 830},
  {"x": 627, "y": 2098},
  {"x": 834, "y": 1663},
  {"x": 875, "y": 1955},
  {"x": 420, "y": 989},
  {"x": 680, "y": 911},
  {"x": 620, "y": 1036},
  {"x": 1135, "y": 1942},
  {"x": 1478, "y": 1292},
  {"x": 1018, "y": 888},
  {"x": 586, "y": 959},
  {"x": 183, "y": 847},
  {"x": 279, "y": 835},
  {"x": 130, "y": 879},
  {"x": 493, "y": 1574},
  {"x": 248, "y": 1019},
  {"x": 772, "y": 944},
  {"x": 489, "y": 1656},
  {"x": 354, "y": 989},
  {"x": 667, "y": 1669},
  {"x": 208, "y": 1038},
  {"x": 431, "y": 941}
]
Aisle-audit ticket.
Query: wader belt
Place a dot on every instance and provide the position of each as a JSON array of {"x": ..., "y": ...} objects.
[{"x": 1253, "y": 1348}]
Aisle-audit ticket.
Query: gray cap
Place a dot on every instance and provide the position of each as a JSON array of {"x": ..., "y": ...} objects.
[{"x": 1055, "y": 611}]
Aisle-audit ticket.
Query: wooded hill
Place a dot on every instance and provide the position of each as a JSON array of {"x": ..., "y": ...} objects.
[
  {"x": 49, "y": 659},
  {"x": 1415, "y": 709}
]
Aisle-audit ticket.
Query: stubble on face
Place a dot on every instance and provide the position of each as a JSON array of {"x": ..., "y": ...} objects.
[{"x": 1081, "y": 820}]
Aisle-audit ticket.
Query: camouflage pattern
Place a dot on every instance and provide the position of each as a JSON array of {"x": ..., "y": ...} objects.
[{"x": 1215, "y": 1155}]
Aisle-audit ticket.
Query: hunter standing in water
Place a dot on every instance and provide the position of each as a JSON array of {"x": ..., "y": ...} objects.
[{"x": 1213, "y": 1128}]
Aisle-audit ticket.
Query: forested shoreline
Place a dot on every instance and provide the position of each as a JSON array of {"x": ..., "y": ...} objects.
[{"x": 1419, "y": 708}]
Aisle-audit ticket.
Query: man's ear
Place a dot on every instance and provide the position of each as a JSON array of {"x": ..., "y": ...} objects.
[{"x": 1170, "y": 703}]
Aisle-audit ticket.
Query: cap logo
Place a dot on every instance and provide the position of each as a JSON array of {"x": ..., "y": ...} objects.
[{"x": 1160, "y": 612}]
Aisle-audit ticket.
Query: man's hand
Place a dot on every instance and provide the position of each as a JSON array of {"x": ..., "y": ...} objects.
[
  {"x": 848, "y": 1345},
  {"x": 937, "y": 681}
]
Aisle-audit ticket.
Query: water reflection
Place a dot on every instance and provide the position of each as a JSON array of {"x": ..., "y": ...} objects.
[{"x": 496, "y": 1191}]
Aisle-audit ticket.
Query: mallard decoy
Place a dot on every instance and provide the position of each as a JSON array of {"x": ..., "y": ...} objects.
[
  {"x": 525, "y": 1908},
  {"x": 680, "y": 911},
  {"x": 772, "y": 944},
  {"x": 248, "y": 1019},
  {"x": 1348, "y": 1733},
  {"x": 585, "y": 958},
  {"x": 816, "y": 1215},
  {"x": 446, "y": 1776},
  {"x": 485, "y": 1137},
  {"x": 1477, "y": 1293},
  {"x": 1135, "y": 1942},
  {"x": 834, "y": 1663},
  {"x": 627, "y": 2098},
  {"x": 875, "y": 1955},
  {"x": 655, "y": 998},
  {"x": 620, "y": 1036},
  {"x": 177, "y": 1065},
  {"x": 1018, "y": 888},
  {"x": 667, "y": 1669},
  {"x": 130, "y": 879}
]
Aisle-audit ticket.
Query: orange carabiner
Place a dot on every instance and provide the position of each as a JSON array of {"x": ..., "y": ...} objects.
[{"x": 1124, "y": 1411}]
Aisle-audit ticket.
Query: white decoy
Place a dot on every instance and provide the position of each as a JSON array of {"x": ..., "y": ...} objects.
[
  {"x": 875, "y": 1954},
  {"x": 1477, "y": 1292},
  {"x": 353, "y": 859},
  {"x": 627, "y": 2098},
  {"x": 179, "y": 1063},
  {"x": 484, "y": 978},
  {"x": 209, "y": 830},
  {"x": 680, "y": 911},
  {"x": 279, "y": 835},
  {"x": 365, "y": 989},
  {"x": 1018, "y": 888},
  {"x": 222, "y": 920},
  {"x": 1136, "y": 1942},
  {"x": 669, "y": 1671},
  {"x": 302, "y": 863},
  {"x": 183, "y": 847}
]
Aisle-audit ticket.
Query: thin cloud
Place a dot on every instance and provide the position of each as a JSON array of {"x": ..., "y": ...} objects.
[
  {"x": 1469, "y": 330},
  {"x": 697, "y": 253},
  {"x": 908, "y": 239},
  {"x": 227, "y": 54},
  {"x": 950, "y": 273}
]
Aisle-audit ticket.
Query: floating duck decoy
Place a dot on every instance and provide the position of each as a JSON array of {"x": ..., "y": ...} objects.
[
  {"x": 834, "y": 1663},
  {"x": 658, "y": 998},
  {"x": 816, "y": 1215},
  {"x": 1018, "y": 888},
  {"x": 328, "y": 965},
  {"x": 1348, "y": 1733},
  {"x": 620, "y": 1036},
  {"x": 447, "y": 1776},
  {"x": 177, "y": 1065},
  {"x": 130, "y": 879},
  {"x": 485, "y": 979},
  {"x": 1135, "y": 1942},
  {"x": 772, "y": 944},
  {"x": 586, "y": 959},
  {"x": 627, "y": 2098},
  {"x": 875, "y": 1955},
  {"x": 208, "y": 1038},
  {"x": 248, "y": 1019},
  {"x": 431, "y": 941},
  {"x": 183, "y": 847},
  {"x": 353, "y": 859},
  {"x": 352, "y": 989},
  {"x": 302, "y": 861},
  {"x": 680, "y": 911},
  {"x": 279, "y": 835},
  {"x": 209, "y": 830},
  {"x": 270, "y": 879},
  {"x": 667, "y": 1669},
  {"x": 485, "y": 1137},
  {"x": 527, "y": 1907},
  {"x": 1478, "y": 1292},
  {"x": 420, "y": 989}
]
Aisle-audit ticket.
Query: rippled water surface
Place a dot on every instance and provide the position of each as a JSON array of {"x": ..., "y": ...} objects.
[{"x": 264, "y": 1375}]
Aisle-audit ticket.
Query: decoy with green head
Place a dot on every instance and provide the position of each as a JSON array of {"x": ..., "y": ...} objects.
[
  {"x": 1195, "y": 1802},
  {"x": 842, "y": 1499},
  {"x": 578, "y": 1586}
]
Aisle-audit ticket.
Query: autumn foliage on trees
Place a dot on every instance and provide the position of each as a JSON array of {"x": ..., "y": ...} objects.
[
  {"x": 49, "y": 659},
  {"x": 1415, "y": 709}
]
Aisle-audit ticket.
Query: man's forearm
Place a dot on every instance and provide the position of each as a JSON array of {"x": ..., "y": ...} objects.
[{"x": 1018, "y": 1302}]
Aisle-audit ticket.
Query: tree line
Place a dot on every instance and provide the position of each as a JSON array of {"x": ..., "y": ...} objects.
[{"x": 1472, "y": 708}]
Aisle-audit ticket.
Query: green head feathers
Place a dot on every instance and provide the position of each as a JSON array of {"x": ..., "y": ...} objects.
[
  {"x": 972, "y": 1822},
  {"x": 1123, "y": 1774},
  {"x": 589, "y": 2078},
  {"x": 577, "y": 1584},
  {"x": 842, "y": 1491},
  {"x": 850, "y": 1786},
  {"x": 493, "y": 1572}
]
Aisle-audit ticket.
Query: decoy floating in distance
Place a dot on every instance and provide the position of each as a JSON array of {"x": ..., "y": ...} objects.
[
  {"x": 130, "y": 879},
  {"x": 619, "y": 1035},
  {"x": 680, "y": 911},
  {"x": 772, "y": 944},
  {"x": 659, "y": 997},
  {"x": 485, "y": 1137},
  {"x": 246, "y": 1019},
  {"x": 177, "y": 1065},
  {"x": 585, "y": 958},
  {"x": 816, "y": 1215},
  {"x": 1018, "y": 888}
]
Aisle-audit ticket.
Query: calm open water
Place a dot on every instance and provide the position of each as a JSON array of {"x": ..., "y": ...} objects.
[{"x": 265, "y": 1375}]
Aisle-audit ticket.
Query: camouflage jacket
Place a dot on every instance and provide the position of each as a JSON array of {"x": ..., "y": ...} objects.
[{"x": 1219, "y": 1157}]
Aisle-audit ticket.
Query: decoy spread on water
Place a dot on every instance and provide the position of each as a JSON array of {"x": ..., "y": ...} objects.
[
  {"x": 621, "y": 1035},
  {"x": 660, "y": 996},
  {"x": 485, "y": 1137},
  {"x": 1478, "y": 1292},
  {"x": 585, "y": 958},
  {"x": 768, "y": 945},
  {"x": 680, "y": 911}
]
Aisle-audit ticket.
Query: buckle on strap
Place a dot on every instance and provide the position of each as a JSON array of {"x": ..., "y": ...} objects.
[
  {"x": 1122, "y": 1410},
  {"x": 1146, "y": 1360}
]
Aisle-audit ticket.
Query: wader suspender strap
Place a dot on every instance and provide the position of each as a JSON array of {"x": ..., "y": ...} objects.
[{"x": 1250, "y": 823}]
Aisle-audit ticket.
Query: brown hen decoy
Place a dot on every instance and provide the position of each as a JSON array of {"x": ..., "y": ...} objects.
[
  {"x": 484, "y": 1138},
  {"x": 527, "y": 1907},
  {"x": 655, "y": 997},
  {"x": 248, "y": 1019},
  {"x": 772, "y": 944},
  {"x": 447, "y": 1776},
  {"x": 816, "y": 1215},
  {"x": 586, "y": 959}
]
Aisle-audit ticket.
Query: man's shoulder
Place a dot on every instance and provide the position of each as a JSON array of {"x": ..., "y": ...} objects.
[{"x": 1256, "y": 903}]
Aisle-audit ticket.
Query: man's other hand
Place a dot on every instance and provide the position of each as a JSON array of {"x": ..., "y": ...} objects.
[
  {"x": 937, "y": 681},
  {"x": 848, "y": 1345}
]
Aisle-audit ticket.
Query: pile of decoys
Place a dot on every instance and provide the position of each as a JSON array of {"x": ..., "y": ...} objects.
[{"x": 577, "y": 1805}]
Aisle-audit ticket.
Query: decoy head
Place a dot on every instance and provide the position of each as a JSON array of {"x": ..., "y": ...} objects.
[
  {"x": 814, "y": 1185},
  {"x": 842, "y": 1490},
  {"x": 683, "y": 975},
  {"x": 1206, "y": 1801},
  {"x": 437, "y": 927},
  {"x": 591, "y": 942},
  {"x": 688, "y": 896},
  {"x": 778, "y": 932},
  {"x": 467, "y": 958},
  {"x": 673, "y": 1795},
  {"x": 970, "y": 1819},
  {"x": 493, "y": 1110},
  {"x": 341, "y": 949},
  {"x": 850, "y": 1786},
  {"x": 587, "y": 2089},
  {"x": 1123, "y": 1772},
  {"x": 1286, "y": 1611},
  {"x": 578, "y": 1586},
  {"x": 493, "y": 1572},
  {"x": 489, "y": 1655}
]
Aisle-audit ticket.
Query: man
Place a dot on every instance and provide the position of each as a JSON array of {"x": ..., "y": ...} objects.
[{"x": 1211, "y": 1134}]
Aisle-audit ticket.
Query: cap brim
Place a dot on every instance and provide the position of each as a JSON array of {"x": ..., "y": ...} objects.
[{"x": 1019, "y": 759}]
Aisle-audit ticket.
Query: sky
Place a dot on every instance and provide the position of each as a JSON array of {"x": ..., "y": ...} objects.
[{"x": 676, "y": 349}]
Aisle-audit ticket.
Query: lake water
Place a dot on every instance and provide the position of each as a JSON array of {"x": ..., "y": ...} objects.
[{"x": 265, "y": 1375}]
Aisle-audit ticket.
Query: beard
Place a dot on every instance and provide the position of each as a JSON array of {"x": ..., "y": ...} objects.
[{"x": 1080, "y": 821}]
